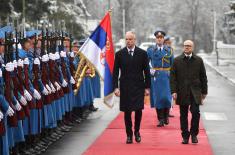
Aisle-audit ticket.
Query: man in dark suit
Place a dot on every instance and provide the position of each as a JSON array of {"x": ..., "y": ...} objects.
[
  {"x": 189, "y": 88},
  {"x": 134, "y": 83}
]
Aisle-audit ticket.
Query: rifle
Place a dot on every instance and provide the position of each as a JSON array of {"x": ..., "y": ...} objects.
[
  {"x": 47, "y": 98},
  {"x": 52, "y": 67},
  {"x": 63, "y": 65},
  {"x": 71, "y": 59},
  {"x": 56, "y": 64},
  {"x": 27, "y": 85},
  {"x": 17, "y": 86},
  {"x": 12, "y": 120},
  {"x": 36, "y": 72}
]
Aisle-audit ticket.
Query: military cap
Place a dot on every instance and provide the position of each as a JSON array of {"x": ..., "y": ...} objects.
[
  {"x": 23, "y": 40},
  {"x": 159, "y": 33},
  {"x": 30, "y": 34},
  {"x": 2, "y": 35},
  {"x": 5, "y": 29}
]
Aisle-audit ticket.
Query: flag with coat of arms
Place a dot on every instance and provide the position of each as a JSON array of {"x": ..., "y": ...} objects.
[{"x": 98, "y": 49}]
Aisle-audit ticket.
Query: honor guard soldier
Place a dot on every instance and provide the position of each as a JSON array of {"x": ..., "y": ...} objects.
[
  {"x": 161, "y": 59},
  {"x": 5, "y": 109}
]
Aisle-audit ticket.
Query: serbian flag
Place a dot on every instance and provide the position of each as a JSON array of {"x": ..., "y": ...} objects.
[{"x": 98, "y": 49}]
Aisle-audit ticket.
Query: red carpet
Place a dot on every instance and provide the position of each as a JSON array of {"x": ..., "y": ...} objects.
[{"x": 157, "y": 141}]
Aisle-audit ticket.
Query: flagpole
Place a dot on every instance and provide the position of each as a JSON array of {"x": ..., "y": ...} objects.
[{"x": 110, "y": 13}]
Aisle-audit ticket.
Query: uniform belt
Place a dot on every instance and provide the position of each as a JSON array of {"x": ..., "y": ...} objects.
[{"x": 162, "y": 69}]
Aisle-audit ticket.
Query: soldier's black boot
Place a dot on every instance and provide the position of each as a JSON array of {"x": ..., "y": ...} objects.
[
  {"x": 166, "y": 116},
  {"x": 23, "y": 149},
  {"x": 92, "y": 108},
  {"x": 15, "y": 150},
  {"x": 160, "y": 116}
]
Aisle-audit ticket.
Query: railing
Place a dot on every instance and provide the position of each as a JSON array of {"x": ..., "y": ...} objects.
[{"x": 226, "y": 51}]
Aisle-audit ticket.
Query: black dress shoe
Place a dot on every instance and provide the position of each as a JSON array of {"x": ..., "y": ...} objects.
[
  {"x": 185, "y": 141},
  {"x": 92, "y": 108},
  {"x": 25, "y": 152},
  {"x": 137, "y": 137},
  {"x": 166, "y": 121},
  {"x": 129, "y": 140},
  {"x": 170, "y": 115},
  {"x": 194, "y": 139},
  {"x": 160, "y": 124}
]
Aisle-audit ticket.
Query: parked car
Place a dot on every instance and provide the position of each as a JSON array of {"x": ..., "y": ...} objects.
[
  {"x": 146, "y": 45},
  {"x": 119, "y": 45}
]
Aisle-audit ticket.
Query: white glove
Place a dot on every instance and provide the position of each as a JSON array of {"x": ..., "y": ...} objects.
[
  {"x": 63, "y": 54},
  {"x": 64, "y": 83},
  {"x": 0, "y": 72},
  {"x": 15, "y": 63},
  {"x": 23, "y": 100},
  {"x": 36, "y": 61},
  {"x": 36, "y": 94},
  {"x": 52, "y": 88},
  {"x": 51, "y": 56},
  {"x": 72, "y": 54},
  {"x": 27, "y": 95},
  {"x": 57, "y": 55},
  {"x": 45, "y": 58},
  {"x": 72, "y": 81},
  {"x": 9, "y": 67},
  {"x": 1, "y": 115},
  {"x": 49, "y": 89},
  {"x": 26, "y": 61},
  {"x": 152, "y": 71},
  {"x": 20, "y": 63},
  {"x": 10, "y": 111},
  {"x": 58, "y": 87},
  {"x": 45, "y": 91},
  {"x": 18, "y": 106}
]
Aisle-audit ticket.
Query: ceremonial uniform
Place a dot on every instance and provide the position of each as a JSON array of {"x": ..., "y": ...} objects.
[
  {"x": 160, "y": 61},
  {"x": 4, "y": 146}
]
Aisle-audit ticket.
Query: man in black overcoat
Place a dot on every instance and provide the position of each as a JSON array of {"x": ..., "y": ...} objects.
[
  {"x": 133, "y": 83},
  {"x": 188, "y": 81}
]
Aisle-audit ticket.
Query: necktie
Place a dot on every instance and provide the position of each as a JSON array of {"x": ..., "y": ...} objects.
[
  {"x": 131, "y": 52},
  {"x": 187, "y": 57}
]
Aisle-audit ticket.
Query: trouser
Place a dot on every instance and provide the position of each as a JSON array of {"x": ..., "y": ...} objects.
[
  {"x": 195, "y": 111},
  {"x": 128, "y": 121},
  {"x": 162, "y": 114}
]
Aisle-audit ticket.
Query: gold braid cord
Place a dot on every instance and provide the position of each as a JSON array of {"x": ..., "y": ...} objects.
[{"x": 80, "y": 73}]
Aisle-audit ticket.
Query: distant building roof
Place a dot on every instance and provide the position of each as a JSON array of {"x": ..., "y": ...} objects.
[{"x": 231, "y": 12}]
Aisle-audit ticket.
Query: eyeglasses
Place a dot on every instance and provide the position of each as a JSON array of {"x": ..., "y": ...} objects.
[{"x": 187, "y": 45}]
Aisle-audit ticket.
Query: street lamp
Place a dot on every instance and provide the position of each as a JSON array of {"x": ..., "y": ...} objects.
[
  {"x": 215, "y": 50},
  {"x": 214, "y": 31}
]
